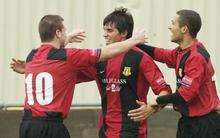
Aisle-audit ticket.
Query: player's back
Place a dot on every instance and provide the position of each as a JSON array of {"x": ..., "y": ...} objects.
[{"x": 49, "y": 81}]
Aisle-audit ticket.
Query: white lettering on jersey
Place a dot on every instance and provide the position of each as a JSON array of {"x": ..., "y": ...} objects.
[{"x": 42, "y": 79}]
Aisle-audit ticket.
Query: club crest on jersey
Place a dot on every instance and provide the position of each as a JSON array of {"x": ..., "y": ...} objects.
[
  {"x": 180, "y": 72},
  {"x": 127, "y": 71}
]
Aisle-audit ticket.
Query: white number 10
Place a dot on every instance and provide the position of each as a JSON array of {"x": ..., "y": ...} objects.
[{"x": 48, "y": 88}]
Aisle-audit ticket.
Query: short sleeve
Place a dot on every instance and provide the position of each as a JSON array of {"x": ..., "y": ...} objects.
[
  {"x": 194, "y": 75},
  {"x": 153, "y": 75},
  {"x": 82, "y": 58}
]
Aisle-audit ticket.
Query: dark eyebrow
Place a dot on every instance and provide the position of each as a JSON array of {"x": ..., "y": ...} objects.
[{"x": 108, "y": 29}]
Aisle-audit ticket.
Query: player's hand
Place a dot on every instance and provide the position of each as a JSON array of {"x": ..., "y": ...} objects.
[
  {"x": 140, "y": 36},
  {"x": 18, "y": 66},
  {"x": 141, "y": 113},
  {"x": 154, "y": 104},
  {"x": 76, "y": 36}
]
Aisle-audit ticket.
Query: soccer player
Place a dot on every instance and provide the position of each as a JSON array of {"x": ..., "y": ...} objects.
[
  {"x": 196, "y": 96},
  {"x": 50, "y": 77},
  {"x": 124, "y": 81}
]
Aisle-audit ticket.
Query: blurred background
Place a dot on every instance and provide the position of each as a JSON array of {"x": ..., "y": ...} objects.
[{"x": 19, "y": 34}]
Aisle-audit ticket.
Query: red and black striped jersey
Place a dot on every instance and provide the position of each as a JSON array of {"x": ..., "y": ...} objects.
[
  {"x": 195, "y": 77},
  {"x": 50, "y": 77},
  {"x": 121, "y": 81}
]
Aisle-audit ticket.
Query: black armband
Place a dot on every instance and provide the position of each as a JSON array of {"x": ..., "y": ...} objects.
[
  {"x": 174, "y": 98},
  {"x": 147, "y": 49}
]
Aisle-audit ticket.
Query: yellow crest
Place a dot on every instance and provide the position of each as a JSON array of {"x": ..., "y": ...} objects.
[{"x": 127, "y": 71}]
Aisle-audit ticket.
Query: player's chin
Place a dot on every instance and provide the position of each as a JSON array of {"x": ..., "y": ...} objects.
[
  {"x": 62, "y": 46},
  {"x": 107, "y": 43},
  {"x": 173, "y": 39}
]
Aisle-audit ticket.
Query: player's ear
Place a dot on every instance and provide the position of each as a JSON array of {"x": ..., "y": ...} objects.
[
  {"x": 58, "y": 33},
  {"x": 124, "y": 34},
  {"x": 184, "y": 29}
]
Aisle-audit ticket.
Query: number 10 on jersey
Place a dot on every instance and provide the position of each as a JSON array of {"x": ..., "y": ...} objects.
[{"x": 43, "y": 83}]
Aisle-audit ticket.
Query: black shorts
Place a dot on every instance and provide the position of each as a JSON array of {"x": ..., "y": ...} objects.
[
  {"x": 207, "y": 126},
  {"x": 42, "y": 127}
]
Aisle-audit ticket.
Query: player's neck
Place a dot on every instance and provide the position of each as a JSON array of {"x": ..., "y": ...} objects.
[
  {"x": 54, "y": 43},
  {"x": 186, "y": 42}
]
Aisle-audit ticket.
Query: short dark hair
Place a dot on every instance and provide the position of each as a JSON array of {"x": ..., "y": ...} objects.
[
  {"x": 48, "y": 26},
  {"x": 191, "y": 19},
  {"x": 122, "y": 20}
]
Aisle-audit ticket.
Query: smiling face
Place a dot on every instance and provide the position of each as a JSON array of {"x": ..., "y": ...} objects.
[
  {"x": 118, "y": 26},
  {"x": 112, "y": 35},
  {"x": 176, "y": 31}
]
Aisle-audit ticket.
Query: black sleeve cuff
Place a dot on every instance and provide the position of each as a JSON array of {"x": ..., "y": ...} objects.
[
  {"x": 174, "y": 98},
  {"x": 147, "y": 49}
]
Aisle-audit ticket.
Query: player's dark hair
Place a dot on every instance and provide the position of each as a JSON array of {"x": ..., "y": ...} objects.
[
  {"x": 121, "y": 19},
  {"x": 191, "y": 19},
  {"x": 48, "y": 26}
]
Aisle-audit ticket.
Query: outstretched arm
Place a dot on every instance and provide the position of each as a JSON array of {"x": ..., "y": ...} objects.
[
  {"x": 120, "y": 47},
  {"x": 76, "y": 36},
  {"x": 161, "y": 55}
]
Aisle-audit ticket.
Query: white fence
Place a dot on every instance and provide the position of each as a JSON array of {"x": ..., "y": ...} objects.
[{"x": 19, "y": 34}]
